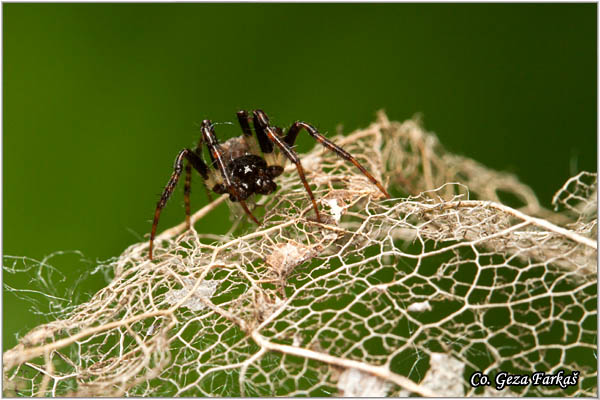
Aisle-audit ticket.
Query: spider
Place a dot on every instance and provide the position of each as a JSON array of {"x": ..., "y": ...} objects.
[{"x": 242, "y": 170}]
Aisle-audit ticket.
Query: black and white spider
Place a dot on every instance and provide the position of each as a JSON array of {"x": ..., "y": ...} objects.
[{"x": 242, "y": 171}]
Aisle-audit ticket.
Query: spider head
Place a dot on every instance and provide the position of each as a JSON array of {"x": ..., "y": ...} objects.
[{"x": 250, "y": 174}]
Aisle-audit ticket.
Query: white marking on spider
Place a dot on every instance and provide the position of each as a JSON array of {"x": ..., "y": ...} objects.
[{"x": 247, "y": 169}]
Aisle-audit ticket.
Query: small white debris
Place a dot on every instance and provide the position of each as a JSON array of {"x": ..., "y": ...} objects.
[
  {"x": 330, "y": 236},
  {"x": 150, "y": 330},
  {"x": 311, "y": 163},
  {"x": 420, "y": 307},
  {"x": 354, "y": 383},
  {"x": 336, "y": 210},
  {"x": 204, "y": 291},
  {"x": 285, "y": 257},
  {"x": 445, "y": 375}
]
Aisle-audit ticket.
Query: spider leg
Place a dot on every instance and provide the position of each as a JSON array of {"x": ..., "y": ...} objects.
[
  {"x": 193, "y": 161},
  {"x": 292, "y": 133},
  {"x": 198, "y": 151},
  {"x": 242, "y": 116},
  {"x": 244, "y": 121},
  {"x": 266, "y": 145},
  {"x": 186, "y": 193},
  {"x": 216, "y": 155},
  {"x": 261, "y": 121}
]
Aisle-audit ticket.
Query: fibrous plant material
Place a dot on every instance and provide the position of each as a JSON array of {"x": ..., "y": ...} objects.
[{"x": 383, "y": 297}]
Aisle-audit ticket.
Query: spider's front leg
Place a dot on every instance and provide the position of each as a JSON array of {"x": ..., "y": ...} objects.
[
  {"x": 193, "y": 161},
  {"x": 296, "y": 127},
  {"x": 262, "y": 127}
]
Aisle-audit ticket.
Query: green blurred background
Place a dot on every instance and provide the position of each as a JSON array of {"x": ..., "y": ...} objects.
[{"x": 99, "y": 98}]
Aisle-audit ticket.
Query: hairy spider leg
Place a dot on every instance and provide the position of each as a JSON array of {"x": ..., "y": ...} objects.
[
  {"x": 262, "y": 141},
  {"x": 216, "y": 155},
  {"x": 290, "y": 139},
  {"x": 242, "y": 116},
  {"x": 261, "y": 122},
  {"x": 186, "y": 193},
  {"x": 195, "y": 161},
  {"x": 266, "y": 145},
  {"x": 244, "y": 121},
  {"x": 188, "y": 184},
  {"x": 198, "y": 151}
]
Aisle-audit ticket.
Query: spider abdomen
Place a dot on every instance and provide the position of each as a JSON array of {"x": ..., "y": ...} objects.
[{"x": 250, "y": 174}]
